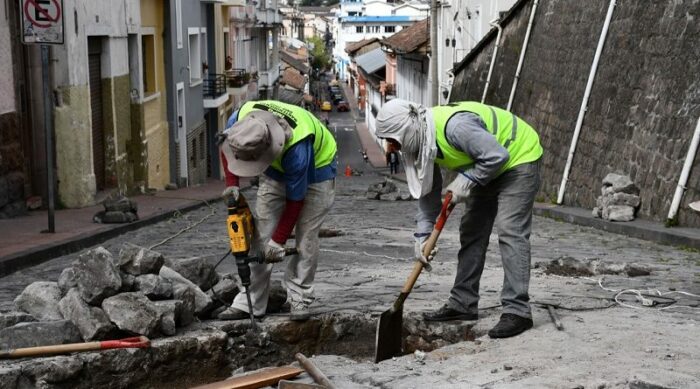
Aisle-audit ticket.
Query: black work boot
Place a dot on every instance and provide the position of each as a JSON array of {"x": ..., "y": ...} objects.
[
  {"x": 446, "y": 313},
  {"x": 510, "y": 325}
]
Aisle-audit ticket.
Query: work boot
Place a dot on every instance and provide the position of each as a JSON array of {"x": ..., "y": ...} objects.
[
  {"x": 510, "y": 325},
  {"x": 235, "y": 314},
  {"x": 446, "y": 313},
  {"x": 299, "y": 311}
]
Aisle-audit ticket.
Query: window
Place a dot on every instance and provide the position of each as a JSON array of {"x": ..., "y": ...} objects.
[
  {"x": 204, "y": 45},
  {"x": 352, "y": 13},
  {"x": 195, "y": 56},
  {"x": 178, "y": 22},
  {"x": 148, "y": 63},
  {"x": 227, "y": 51},
  {"x": 373, "y": 29},
  {"x": 359, "y": 29},
  {"x": 390, "y": 29}
]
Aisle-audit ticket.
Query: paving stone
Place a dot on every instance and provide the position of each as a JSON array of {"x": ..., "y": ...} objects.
[
  {"x": 8, "y": 319},
  {"x": 132, "y": 312},
  {"x": 40, "y": 333},
  {"x": 96, "y": 275},
  {"x": 139, "y": 260},
  {"x": 202, "y": 302},
  {"x": 92, "y": 322},
  {"x": 40, "y": 299},
  {"x": 154, "y": 286},
  {"x": 196, "y": 269}
]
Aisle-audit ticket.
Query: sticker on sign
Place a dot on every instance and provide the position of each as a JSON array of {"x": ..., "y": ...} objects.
[{"x": 42, "y": 21}]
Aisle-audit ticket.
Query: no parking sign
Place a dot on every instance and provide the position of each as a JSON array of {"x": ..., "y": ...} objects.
[{"x": 42, "y": 21}]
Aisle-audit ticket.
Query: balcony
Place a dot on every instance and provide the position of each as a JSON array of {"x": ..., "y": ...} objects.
[
  {"x": 267, "y": 17},
  {"x": 214, "y": 88},
  {"x": 237, "y": 80},
  {"x": 233, "y": 3}
]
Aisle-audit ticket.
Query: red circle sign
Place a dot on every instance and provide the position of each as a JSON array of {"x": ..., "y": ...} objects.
[{"x": 33, "y": 5}]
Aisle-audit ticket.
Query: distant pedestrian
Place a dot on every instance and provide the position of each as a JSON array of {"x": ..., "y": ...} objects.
[
  {"x": 364, "y": 156},
  {"x": 393, "y": 162}
]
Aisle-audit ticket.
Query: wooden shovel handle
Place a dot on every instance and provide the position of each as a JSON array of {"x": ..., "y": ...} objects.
[
  {"x": 445, "y": 211},
  {"x": 135, "y": 342}
]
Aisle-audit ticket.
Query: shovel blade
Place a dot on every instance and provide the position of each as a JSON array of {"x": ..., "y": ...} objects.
[{"x": 389, "y": 335}]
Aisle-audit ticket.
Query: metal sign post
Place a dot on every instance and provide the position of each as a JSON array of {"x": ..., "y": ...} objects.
[{"x": 42, "y": 23}]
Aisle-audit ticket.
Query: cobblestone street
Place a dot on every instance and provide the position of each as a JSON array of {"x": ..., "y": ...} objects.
[{"x": 363, "y": 268}]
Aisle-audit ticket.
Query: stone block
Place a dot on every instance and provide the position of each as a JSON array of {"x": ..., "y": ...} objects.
[
  {"x": 624, "y": 199},
  {"x": 40, "y": 333},
  {"x": 66, "y": 280},
  {"x": 154, "y": 286},
  {"x": 96, "y": 275},
  {"x": 224, "y": 291},
  {"x": 40, "y": 299},
  {"x": 202, "y": 302},
  {"x": 372, "y": 195},
  {"x": 110, "y": 217},
  {"x": 185, "y": 315},
  {"x": 618, "y": 213},
  {"x": 620, "y": 183},
  {"x": 139, "y": 260},
  {"x": 92, "y": 322},
  {"x": 8, "y": 319},
  {"x": 196, "y": 269},
  {"x": 597, "y": 212},
  {"x": 133, "y": 312},
  {"x": 391, "y": 196},
  {"x": 168, "y": 313},
  {"x": 128, "y": 282},
  {"x": 119, "y": 203}
]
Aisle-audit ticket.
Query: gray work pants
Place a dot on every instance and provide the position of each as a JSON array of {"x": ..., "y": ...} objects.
[
  {"x": 506, "y": 201},
  {"x": 301, "y": 268}
]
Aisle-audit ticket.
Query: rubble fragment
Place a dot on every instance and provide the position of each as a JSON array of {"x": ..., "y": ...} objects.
[
  {"x": 137, "y": 260},
  {"x": 154, "y": 286},
  {"x": 92, "y": 322},
  {"x": 8, "y": 319},
  {"x": 619, "y": 200},
  {"x": 202, "y": 302},
  {"x": 96, "y": 275},
  {"x": 40, "y": 299},
  {"x": 572, "y": 267},
  {"x": 40, "y": 333},
  {"x": 196, "y": 269},
  {"x": 133, "y": 312}
]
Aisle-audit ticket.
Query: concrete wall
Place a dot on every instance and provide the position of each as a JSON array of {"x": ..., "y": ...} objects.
[
  {"x": 7, "y": 97},
  {"x": 644, "y": 104}
]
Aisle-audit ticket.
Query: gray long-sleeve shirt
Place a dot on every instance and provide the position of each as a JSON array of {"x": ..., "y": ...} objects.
[{"x": 466, "y": 132}]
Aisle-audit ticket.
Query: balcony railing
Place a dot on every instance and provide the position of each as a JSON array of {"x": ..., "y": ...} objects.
[
  {"x": 236, "y": 78},
  {"x": 214, "y": 85}
]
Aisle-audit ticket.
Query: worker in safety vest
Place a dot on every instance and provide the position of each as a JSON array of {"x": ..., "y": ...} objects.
[
  {"x": 295, "y": 155},
  {"x": 493, "y": 157}
]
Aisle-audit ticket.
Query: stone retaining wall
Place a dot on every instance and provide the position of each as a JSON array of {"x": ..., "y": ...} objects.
[{"x": 643, "y": 107}]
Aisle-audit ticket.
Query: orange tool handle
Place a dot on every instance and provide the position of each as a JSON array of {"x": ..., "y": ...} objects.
[{"x": 135, "y": 342}]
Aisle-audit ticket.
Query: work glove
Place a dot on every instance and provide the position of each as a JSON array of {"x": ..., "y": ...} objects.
[
  {"x": 418, "y": 252},
  {"x": 460, "y": 188},
  {"x": 273, "y": 252},
  {"x": 232, "y": 191}
]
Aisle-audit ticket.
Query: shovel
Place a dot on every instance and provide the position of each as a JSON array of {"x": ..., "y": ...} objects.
[
  {"x": 390, "y": 326},
  {"x": 135, "y": 342}
]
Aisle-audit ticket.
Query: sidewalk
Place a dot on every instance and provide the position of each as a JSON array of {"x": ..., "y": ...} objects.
[
  {"x": 22, "y": 244},
  {"x": 374, "y": 152}
]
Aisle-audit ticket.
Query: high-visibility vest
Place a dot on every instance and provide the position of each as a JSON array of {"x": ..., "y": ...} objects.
[
  {"x": 303, "y": 124},
  {"x": 513, "y": 133}
]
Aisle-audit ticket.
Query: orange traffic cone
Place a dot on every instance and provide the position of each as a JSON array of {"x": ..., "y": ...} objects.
[{"x": 348, "y": 171}]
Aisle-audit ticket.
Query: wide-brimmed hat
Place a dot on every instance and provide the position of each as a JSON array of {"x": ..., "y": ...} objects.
[{"x": 254, "y": 142}]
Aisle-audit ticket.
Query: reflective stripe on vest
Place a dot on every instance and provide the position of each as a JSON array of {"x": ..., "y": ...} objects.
[
  {"x": 513, "y": 133},
  {"x": 303, "y": 124}
]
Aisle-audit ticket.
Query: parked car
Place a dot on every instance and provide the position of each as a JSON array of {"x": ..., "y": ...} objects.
[
  {"x": 336, "y": 98},
  {"x": 326, "y": 106},
  {"x": 343, "y": 106}
]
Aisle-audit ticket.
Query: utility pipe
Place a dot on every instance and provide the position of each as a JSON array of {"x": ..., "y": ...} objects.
[
  {"x": 496, "y": 23},
  {"x": 435, "y": 86},
  {"x": 685, "y": 173},
  {"x": 584, "y": 103},
  {"x": 522, "y": 55}
]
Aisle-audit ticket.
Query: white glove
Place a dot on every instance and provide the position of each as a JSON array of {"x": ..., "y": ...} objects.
[
  {"x": 460, "y": 188},
  {"x": 232, "y": 191},
  {"x": 418, "y": 252},
  {"x": 274, "y": 252}
]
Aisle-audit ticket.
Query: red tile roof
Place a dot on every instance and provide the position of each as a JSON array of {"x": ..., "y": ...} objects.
[
  {"x": 409, "y": 39},
  {"x": 352, "y": 47}
]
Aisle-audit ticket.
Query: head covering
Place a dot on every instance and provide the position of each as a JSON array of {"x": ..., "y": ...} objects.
[
  {"x": 253, "y": 142},
  {"x": 412, "y": 126}
]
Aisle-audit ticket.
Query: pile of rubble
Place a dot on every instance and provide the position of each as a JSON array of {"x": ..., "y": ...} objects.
[
  {"x": 620, "y": 199},
  {"x": 118, "y": 209},
  {"x": 101, "y": 296},
  {"x": 388, "y": 190}
]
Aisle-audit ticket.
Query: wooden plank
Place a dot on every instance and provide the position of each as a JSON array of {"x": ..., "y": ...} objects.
[{"x": 259, "y": 379}]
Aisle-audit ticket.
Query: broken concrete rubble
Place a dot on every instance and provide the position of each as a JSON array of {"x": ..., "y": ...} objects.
[
  {"x": 202, "y": 302},
  {"x": 133, "y": 312},
  {"x": 196, "y": 269},
  {"x": 224, "y": 291},
  {"x": 117, "y": 209},
  {"x": 66, "y": 280},
  {"x": 619, "y": 200},
  {"x": 96, "y": 275},
  {"x": 40, "y": 299},
  {"x": 92, "y": 322},
  {"x": 154, "y": 286},
  {"x": 388, "y": 190},
  {"x": 572, "y": 267},
  {"x": 137, "y": 260},
  {"x": 39, "y": 333},
  {"x": 8, "y": 319}
]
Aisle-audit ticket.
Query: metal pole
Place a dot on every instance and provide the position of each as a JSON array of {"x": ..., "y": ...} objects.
[
  {"x": 434, "y": 90},
  {"x": 48, "y": 133}
]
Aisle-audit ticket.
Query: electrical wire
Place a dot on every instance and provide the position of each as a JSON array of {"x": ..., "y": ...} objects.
[{"x": 648, "y": 298}]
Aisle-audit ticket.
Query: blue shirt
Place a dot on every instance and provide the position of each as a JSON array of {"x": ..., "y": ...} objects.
[{"x": 298, "y": 165}]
